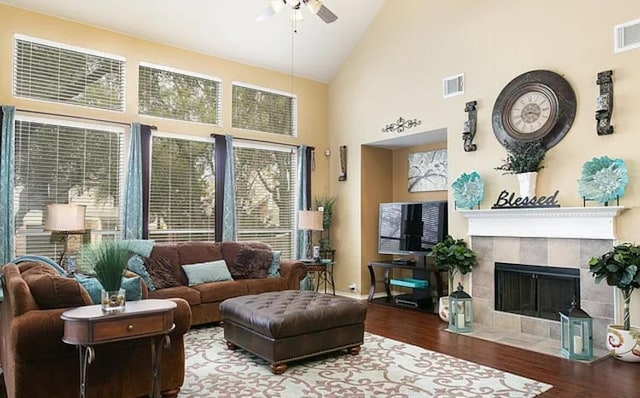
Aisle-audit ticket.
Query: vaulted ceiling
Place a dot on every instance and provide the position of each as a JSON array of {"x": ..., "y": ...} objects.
[{"x": 229, "y": 29}]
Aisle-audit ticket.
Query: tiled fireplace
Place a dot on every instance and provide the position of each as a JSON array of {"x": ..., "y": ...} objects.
[{"x": 556, "y": 238}]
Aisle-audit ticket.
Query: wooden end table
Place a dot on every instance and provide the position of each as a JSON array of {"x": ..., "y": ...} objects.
[
  {"x": 87, "y": 326},
  {"x": 322, "y": 273}
]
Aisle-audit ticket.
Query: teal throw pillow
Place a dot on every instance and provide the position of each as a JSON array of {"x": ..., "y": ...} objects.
[
  {"x": 212, "y": 271},
  {"x": 132, "y": 287},
  {"x": 142, "y": 247},
  {"x": 136, "y": 264},
  {"x": 274, "y": 268}
]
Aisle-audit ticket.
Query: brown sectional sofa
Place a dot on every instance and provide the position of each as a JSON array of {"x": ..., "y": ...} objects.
[
  {"x": 205, "y": 298},
  {"x": 37, "y": 363}
]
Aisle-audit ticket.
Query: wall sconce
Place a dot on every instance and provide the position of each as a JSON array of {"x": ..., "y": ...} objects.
[
  {"x": 343, "y": 163},
  {"x": 469, "y": 129},
  {"x": 604, "y": 107}
]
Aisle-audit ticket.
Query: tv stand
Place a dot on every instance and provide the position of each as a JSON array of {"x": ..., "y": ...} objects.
[
  {"x": 403, "y": 261},
  {"x": 421, "y": 298}
]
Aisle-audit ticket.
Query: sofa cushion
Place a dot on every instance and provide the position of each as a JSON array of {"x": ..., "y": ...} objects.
[
  {"x": 257, "y": 286},
  {"x": 274, "y": 267},
  {"x": 213, "y": 292},
  {"x": 199, "y": 252},
  {"x": 211, "y": 271},
  {"x": 51, "y": 290},
  {"x": 251, "y": 264},
  {"x": 162, "y": 272},
  {"x": 136, "y": 265},
  {"x": 132, "y": 287},
  {"x": 191, "y": 295},
  {"x": 230, "y": 250}
]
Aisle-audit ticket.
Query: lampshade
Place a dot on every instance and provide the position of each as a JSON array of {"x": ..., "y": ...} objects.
[
  {"x": 310, "y": 220},
  {"x": 65, "y": 217}
]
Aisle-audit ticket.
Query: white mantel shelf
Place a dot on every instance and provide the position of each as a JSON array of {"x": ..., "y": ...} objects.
[{"x": 552, "y": 222}]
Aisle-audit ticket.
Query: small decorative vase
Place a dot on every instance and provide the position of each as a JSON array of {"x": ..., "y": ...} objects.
[
  {"x": 527, "y": 184},
  {"x": 443, "y": 308},
  {"x": 624, "y": 344},
  {"x": 113, "y": 301}
]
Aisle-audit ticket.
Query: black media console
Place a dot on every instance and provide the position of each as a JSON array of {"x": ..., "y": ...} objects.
[{"x": 424, "y": 276}]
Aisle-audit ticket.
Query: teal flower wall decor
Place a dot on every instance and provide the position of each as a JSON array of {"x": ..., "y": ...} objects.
[
  {"x": 468, "y": 190},
  {"x": 603, "y": 179}
]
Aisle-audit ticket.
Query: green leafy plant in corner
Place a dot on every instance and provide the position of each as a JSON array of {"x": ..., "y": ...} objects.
[
  {"x": 523, "y": 157},
  {"x": 107, "y": 261},
  {"x": 619, "y": 267},
  {"x": 454, "y": 256},
  {"x": 326, "y": 202}
]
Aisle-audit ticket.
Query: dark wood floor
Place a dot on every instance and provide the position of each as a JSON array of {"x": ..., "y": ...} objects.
[{"x": 605, "y": 378}]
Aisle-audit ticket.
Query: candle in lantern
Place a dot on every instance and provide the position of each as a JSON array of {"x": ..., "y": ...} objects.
[
  {"x": 577, "y": 344},
  {"x": 460, "y": 320}
]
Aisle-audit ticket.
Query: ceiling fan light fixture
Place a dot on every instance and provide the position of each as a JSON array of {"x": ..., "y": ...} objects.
[
  {"x": 296, "y": 15},
  {"x": 276, "y": 5},
  {"x": 293, "y": 3},
  {"x": 313, "y": 5}
]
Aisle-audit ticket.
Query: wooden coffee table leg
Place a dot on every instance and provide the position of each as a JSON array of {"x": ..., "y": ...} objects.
[
  {"x": 354, "y": 350},
  {"x": 278, "y": 369},
  {"x": 231, "y": 346}
]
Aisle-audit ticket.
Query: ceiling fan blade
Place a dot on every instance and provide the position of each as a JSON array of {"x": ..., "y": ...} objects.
[
  {"x": 316, "y": 7},
  {"x": 326, "y": 14}
]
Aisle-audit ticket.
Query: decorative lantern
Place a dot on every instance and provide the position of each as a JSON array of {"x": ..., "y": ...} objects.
[
  {"x": 460, "y": 311},
  {"x": 576, "y": 333}
]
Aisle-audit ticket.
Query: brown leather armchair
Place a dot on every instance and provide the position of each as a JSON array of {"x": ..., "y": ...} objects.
[{"x": 36, "y": 363}]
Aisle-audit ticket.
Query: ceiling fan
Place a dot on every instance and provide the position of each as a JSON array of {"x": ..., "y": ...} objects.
[{"x": 315, "y": 6}]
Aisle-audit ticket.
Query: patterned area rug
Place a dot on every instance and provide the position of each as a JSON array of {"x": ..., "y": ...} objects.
[{"x": 384, "y": 368}]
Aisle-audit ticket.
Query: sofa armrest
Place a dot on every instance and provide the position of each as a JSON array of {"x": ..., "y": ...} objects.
[
  {"x": 37, "y": 335},
  {"x": 294, "y": 271},
  {"x": 181, "y": 317}
]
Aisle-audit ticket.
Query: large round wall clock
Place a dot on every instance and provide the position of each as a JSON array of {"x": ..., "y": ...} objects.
[{"x": 537, "y": 105}]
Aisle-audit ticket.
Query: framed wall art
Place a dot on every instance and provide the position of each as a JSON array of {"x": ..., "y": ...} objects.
[{"x": 428, "y": 171}]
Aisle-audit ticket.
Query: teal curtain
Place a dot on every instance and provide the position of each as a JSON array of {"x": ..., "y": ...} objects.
[
  {"x": 133, "y": 206},
  {"x": 7, "y": 226},
  {"x": 229, "y": 227},
  {"x": 303, "y": 237}
]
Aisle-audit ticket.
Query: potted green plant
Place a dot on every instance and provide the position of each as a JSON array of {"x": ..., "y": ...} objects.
[
  {"x": 524, "y": 160},
  {"x": 325, "y": 202},
  {"x": 620, "y": 268},
  {"x": 107, "y": 260},
  {"x": 454, "y": 256}
]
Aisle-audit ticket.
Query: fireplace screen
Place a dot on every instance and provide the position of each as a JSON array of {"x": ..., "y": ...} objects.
[{"x": 535, "y": 291}]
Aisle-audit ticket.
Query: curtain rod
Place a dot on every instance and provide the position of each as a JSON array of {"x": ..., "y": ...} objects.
[
  {"x": 214, "y": 135},
  {"x": 78, "y": 117}
]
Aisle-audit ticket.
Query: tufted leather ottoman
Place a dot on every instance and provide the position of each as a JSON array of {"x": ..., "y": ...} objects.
[{"x": 289, "y": 325}]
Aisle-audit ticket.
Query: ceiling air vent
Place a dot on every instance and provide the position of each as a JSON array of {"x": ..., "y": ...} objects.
[
  {"x": 453, "y": 85},
  {"x": 626, "y": 36}
]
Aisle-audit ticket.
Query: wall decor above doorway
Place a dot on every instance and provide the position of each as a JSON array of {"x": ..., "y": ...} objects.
[
  {"x": 428, "y": 171},
  {"x": 401, "y": 124},
  {"x": 537, "y": 105}
]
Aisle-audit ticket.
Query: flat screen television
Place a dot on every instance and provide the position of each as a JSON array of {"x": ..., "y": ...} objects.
[{"x": 411, "y": 227}]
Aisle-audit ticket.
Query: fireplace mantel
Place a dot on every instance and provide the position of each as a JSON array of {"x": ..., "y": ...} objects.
[{"x": 553, "y": 222}]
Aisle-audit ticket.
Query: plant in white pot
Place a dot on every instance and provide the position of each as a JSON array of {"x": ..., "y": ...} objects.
[
  {"x": 524, "y": 159},
  {"x": 454, "y": 256},
  {"x": 620, "y": 267}
]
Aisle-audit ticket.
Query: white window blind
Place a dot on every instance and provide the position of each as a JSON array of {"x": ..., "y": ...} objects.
[
  {"x": 261, "y": 109},
  {"x": 59, "y": 161},
  {"x": 182, "y": 201},
  {"x": 180, "y": 95},
  {"x": 266, "y": 194},
  {"x": 55, "y": 72}
]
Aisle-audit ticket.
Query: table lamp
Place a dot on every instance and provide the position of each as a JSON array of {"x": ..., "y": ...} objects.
[
  {"x": 65, "y": 218},
  {"x": 311, "y": 220}
]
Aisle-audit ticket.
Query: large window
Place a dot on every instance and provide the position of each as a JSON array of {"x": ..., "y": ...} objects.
[
  {"x": 182, "y": 201},
  {"x": 180, "y": 95},
  {"x": 59, "y": 161},
  {"x": 49, "y": 71},
  {"x": 261, "y": 109},
  {"x": 266, "y": 194}
]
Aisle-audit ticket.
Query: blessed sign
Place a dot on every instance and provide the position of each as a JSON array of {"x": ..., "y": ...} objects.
[{"x": 508, "y": 200}]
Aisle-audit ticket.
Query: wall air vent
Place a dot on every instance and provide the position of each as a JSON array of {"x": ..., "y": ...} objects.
[
  {"x": 453, "y": 85},
  {"x": 626, "y": 36}
]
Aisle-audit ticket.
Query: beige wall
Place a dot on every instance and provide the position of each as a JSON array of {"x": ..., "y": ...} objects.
[
  {"x": 397, "y": 70},
  {"x": 312, "y": 96}
]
